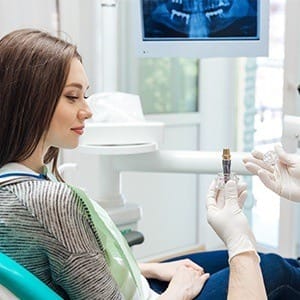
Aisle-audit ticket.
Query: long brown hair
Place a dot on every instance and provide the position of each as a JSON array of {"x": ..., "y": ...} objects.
[{"x": 34, "y": 66}]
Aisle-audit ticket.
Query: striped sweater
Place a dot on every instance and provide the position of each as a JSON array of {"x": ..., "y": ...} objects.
[{"x": 45, "y": 227}]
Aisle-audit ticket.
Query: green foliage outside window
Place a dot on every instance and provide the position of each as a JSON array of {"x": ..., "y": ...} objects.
[{"x": 169, "y": 85}]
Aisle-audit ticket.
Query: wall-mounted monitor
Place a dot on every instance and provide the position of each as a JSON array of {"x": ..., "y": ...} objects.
[{"x": 202, "y": 28}]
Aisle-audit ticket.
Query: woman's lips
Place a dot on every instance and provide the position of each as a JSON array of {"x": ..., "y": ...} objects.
[{"x": 78, "y": 130}]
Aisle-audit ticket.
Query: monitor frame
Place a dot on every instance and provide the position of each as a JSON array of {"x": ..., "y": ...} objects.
[{"x": 208, "y": 47}]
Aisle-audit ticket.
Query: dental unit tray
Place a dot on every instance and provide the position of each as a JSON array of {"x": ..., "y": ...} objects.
[{"x": 131, "y": 133}]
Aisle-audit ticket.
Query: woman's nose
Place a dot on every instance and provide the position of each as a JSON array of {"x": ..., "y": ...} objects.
[{"x": 85, "y": 113}]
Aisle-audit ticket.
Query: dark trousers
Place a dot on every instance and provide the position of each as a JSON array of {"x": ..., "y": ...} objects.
[{"x": 281, "y": 276}]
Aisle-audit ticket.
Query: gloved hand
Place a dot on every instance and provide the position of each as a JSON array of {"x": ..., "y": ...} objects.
[
  {"x": 229, "y": 221},
  {"x": 283, "y": 178}
]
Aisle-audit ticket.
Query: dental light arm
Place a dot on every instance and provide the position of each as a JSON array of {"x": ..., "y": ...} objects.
[{"x": 197, "y": 162}]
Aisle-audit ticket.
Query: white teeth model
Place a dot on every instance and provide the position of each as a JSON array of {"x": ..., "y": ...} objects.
[
  {"x": 177, "y": 1},
  {"x": 181, "y": 15}
]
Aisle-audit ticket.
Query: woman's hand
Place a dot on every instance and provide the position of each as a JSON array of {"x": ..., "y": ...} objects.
[
  {"x": 186, "y": 283},
  {"x": 166, "y": 271}
]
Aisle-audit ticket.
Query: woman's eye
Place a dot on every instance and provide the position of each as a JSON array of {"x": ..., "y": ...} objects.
[{"x": 73, "y": 98}]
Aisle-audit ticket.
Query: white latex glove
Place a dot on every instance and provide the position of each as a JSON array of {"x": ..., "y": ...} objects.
[
  {"x": 229, "y": 221},
  {"x": 283, "y": 178}
]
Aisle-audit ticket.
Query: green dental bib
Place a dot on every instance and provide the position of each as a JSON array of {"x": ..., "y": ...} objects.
[{"x": 120, "y": 260}]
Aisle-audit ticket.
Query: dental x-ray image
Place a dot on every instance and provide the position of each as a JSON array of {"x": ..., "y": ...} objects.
[{"x": 200, "y": 19}]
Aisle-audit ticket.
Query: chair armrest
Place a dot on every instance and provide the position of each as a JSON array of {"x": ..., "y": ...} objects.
[{"x": 133, "y": 237}]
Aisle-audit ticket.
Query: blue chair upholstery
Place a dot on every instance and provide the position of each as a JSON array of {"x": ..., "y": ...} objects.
[{"x": 22, "y": 283}]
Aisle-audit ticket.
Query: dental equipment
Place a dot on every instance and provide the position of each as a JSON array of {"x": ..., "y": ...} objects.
[
  {"x": 226, "y": 163},
  {"x": 270, "y": 157}
]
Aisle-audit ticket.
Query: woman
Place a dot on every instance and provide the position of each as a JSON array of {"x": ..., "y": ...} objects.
[{"x": 53, "y": 229}]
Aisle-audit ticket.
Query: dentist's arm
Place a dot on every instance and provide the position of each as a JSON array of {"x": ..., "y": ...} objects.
[
  {"x": 231, "y": 225},
  {"x": 245, "y": 281}
]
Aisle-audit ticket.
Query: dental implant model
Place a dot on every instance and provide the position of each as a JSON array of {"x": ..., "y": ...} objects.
[{"x": 226, "y": 163}]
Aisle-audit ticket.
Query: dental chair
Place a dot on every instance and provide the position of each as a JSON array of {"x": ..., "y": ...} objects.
[{"x": 18, "y": 283}]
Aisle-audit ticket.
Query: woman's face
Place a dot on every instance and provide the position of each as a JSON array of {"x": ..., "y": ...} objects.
[{"x": 72, "y": 110}]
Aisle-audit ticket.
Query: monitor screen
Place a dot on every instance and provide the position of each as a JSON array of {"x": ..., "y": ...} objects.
[{"x": 203, "y": 28}]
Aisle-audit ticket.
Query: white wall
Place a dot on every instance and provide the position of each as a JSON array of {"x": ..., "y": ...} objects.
[
  {"x": 81, "y": 20},
  {"x": 15, "y": 14}
]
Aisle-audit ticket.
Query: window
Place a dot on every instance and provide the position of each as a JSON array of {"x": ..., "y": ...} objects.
[{"x": 168, "y": 85}]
